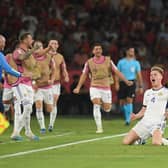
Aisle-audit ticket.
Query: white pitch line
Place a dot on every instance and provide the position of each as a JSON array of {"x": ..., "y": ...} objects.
[
  {"x": 58, "y": 135},
  {"x": 45, "y": 137},
  {"x": 59, "y": 146}
]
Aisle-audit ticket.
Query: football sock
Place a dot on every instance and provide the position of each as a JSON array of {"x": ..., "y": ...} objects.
[
  {"x": 128, "y": 109},
  {"x": 40, "y": 117},
  {"x": 53, "y": 116},
  {"x": 97, "y": 116}
]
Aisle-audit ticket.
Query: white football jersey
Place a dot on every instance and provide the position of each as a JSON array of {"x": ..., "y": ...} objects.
[{"x": 155, "y": 102}]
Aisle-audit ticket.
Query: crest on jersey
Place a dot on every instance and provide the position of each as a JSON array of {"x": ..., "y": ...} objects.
[{"x": 160, "y": 94}]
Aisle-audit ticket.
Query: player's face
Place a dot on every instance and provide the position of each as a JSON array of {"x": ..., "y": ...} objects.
[
  {"x": 54, "y": 44},
  {"x": 97, "y": 51},
  {"x": 155, "y": 78},
  {"x": 131, "y": 52},
  {"x": 2, "y": 43}
]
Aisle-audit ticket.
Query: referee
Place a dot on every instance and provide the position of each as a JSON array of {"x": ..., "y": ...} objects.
[{"x": 131, "y": 69}]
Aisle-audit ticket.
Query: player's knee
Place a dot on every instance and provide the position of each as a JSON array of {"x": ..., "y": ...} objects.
[
  {"x": 107, "y": 108},
  {"x": 49, "y": 108},
  {"x": 126, "y": 141},
  {"x": 38, "y": 104},
  {"x": 96, "y": 101},
  {"x": 156, "y": 142}
]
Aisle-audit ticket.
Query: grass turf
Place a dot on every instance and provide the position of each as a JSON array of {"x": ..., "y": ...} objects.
[{"x": 100, "y": 153}]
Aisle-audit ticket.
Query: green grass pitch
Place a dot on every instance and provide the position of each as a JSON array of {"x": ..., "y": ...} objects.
[{"x": 74, "y": 144}]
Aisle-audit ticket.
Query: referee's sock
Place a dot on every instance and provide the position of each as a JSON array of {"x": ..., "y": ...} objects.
[{"x": 128, "y": 108}]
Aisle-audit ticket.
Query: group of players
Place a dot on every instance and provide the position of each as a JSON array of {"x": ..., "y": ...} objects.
[{"x": 42, "y": 69}]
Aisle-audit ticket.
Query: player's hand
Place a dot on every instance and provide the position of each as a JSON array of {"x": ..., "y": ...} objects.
[
  {"x": 35, "y": 87},
  {"x": 50, "y": 82},
  {"x": 133, "y": 117},
  {"x": 36, "y": 47},
  {"x": 129, "y": 83},
  {"x": 76, "y": 90},
  {"x": 50, "y": 46},
  {"x": 117, "y": 86},
  {"x": 140, "y": 90},
  {"x": 66, "y": 79},
  {"x": 27, "y": 74}
]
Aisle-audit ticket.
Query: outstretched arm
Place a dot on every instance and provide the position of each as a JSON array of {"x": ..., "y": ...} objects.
[
  {"x": 28, "y": 53},
  {"x": 122, "y": 77},
  {"x": 7, "y": 67}
]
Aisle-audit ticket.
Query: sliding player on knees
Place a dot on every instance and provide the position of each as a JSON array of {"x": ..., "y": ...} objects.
[{"x": 152, "y": 113}]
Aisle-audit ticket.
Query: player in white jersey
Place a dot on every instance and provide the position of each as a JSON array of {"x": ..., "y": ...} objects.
[{"x": 153, "y": 111}]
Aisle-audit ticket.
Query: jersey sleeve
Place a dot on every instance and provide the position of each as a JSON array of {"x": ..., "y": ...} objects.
[
  {"x": 138, "y": 66},
  {"x": 145, "y": 100},
  {"x": 5, "y": 66}
]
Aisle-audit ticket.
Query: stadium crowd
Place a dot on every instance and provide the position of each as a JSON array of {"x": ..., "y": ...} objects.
[{"x": 78, "y": 24}]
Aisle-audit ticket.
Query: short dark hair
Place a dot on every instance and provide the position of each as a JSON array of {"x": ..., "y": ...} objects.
[
  {"x": 24, "y": 36},
  {"x": 129, "y": 46},
  {"x": 96, "y": 44}
]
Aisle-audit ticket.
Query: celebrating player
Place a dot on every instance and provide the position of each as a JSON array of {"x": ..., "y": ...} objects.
[
  {"x": 23, "y": 90},
  {"x": 44, "y": 83},
  {"x": 60, "y": 70},
  {"x": 153, "y": 111},
  {"x": 100, "y": 68}
]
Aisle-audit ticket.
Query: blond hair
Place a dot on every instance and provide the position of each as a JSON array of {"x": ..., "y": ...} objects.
[{"x": 158, "y": 68}]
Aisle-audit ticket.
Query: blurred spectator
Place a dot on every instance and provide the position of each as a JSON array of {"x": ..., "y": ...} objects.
[
  {"x": 78, "y": 24},
  {"x": 31, "y": 21},
  {"x": 69, "y": 48},
  {"x": 142, "y": 56}
]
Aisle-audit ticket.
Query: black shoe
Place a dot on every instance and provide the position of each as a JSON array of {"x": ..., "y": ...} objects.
[
  {"x": 50, "y": 128},
  {"x": 127, "y": 123}
]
